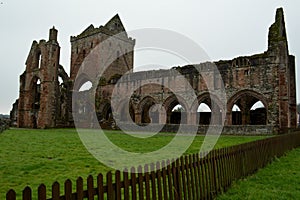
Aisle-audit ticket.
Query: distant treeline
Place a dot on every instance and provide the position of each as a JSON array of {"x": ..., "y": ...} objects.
[{"x": 4, "y": 116}]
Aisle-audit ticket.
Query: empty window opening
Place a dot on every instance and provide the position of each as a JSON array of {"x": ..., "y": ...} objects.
[
  {"x": 39, "y": 60},
  {"x": 86, "y": 86},
  {"x": 236, "y": 115},
  {"x": 36, "y": 89},
  {"x": 257, "y": 105},
  {"x": 258, "y": 114},
  {"x": 177, "y": 115},
  {"x": 204, "y": 114},
  {"x": 60, "y": 80}
]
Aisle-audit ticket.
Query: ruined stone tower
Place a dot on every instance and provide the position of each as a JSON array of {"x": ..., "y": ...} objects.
[
  {"x": 278, "y": 53},
  {"x": 45, "y": 98},
  {"x": 39, "y": 83},
  {"x": 84, "y": 43}
]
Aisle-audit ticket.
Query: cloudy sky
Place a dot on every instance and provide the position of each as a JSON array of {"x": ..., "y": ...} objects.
[{"x": 224, "y": 29}]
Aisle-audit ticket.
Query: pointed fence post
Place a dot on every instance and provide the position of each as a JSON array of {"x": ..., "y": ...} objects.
[
  {"x": 68, "y": 189},
  {"x": 159, "y": 184},
  {"x": 110, "y": 189},
  {"x": 79, "y": 188},
  {"x": 126, "y": 184},
  {"x": 133, "y": 184},
  {"x": 141, "y": 182},
  {"x": 90, "y": 187},
  {"x": 55, "y": 191},
  {"x": 118, "y": 185},
  {"x": 42, "y": 192},
  {"x": 100, "y": 188},
  {"x": 147, "y": 182},
  {"x": 27, "y": 194},
  {"x": 11, "y": 195}
]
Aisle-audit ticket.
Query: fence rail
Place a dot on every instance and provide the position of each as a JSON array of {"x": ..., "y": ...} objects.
[{"x": 188, "y": 177}]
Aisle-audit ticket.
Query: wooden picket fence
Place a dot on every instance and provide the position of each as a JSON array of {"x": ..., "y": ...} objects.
[{"x": 188, "y": 177}]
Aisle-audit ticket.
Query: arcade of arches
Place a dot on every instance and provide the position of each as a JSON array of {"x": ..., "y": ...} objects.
[{"x": 251, "y": 110}]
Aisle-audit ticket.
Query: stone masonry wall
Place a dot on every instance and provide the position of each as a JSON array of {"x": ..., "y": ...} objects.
[{"x": 268, "y": 77}]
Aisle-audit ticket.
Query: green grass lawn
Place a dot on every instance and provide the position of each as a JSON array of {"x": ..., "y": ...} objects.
[
  {"x": 279, "y": 180},
  {"x": 31, "y": 157}
]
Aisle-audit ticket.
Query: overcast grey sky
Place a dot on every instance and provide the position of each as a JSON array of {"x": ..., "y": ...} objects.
[{"x": 225, "y": 29}]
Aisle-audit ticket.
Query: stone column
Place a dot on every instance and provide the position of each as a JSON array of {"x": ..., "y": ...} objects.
[
  {"x": 228, "y": 118},
  {"x": 138, "y": 117},
  {"x": 162, "y": 117},
  {"x": 245, "y": 116},
  {"x": 192, "y": 118}
]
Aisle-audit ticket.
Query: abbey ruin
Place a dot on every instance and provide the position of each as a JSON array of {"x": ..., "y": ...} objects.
[{"x": 45, "y": 95}]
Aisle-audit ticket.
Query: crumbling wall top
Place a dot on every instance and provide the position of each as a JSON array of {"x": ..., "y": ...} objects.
[
  {"x": 277, "y": 31},
  {"x": 113, "y": 27}
]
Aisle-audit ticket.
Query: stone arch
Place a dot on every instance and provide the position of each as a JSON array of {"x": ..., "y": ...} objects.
[
  {"x": 245, "y": 99},
  {"x": 34, "y": 100},
  {"x": 144, "y": 108},
  {"x": 62, "y": 95},
  {"x": 80, "y": 81},
  {"x": 209, "y": 99},
  {"x": 62, "y": 73},
  {"x": 214, "y": 103},
  {"x": 34, "y": 59},
  {"x": 176, "y": 118}
]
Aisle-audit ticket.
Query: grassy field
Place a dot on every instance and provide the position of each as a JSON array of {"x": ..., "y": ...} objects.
[
  {"x": 279, "y": 180},
  {"x": 31, "y": 157}
]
